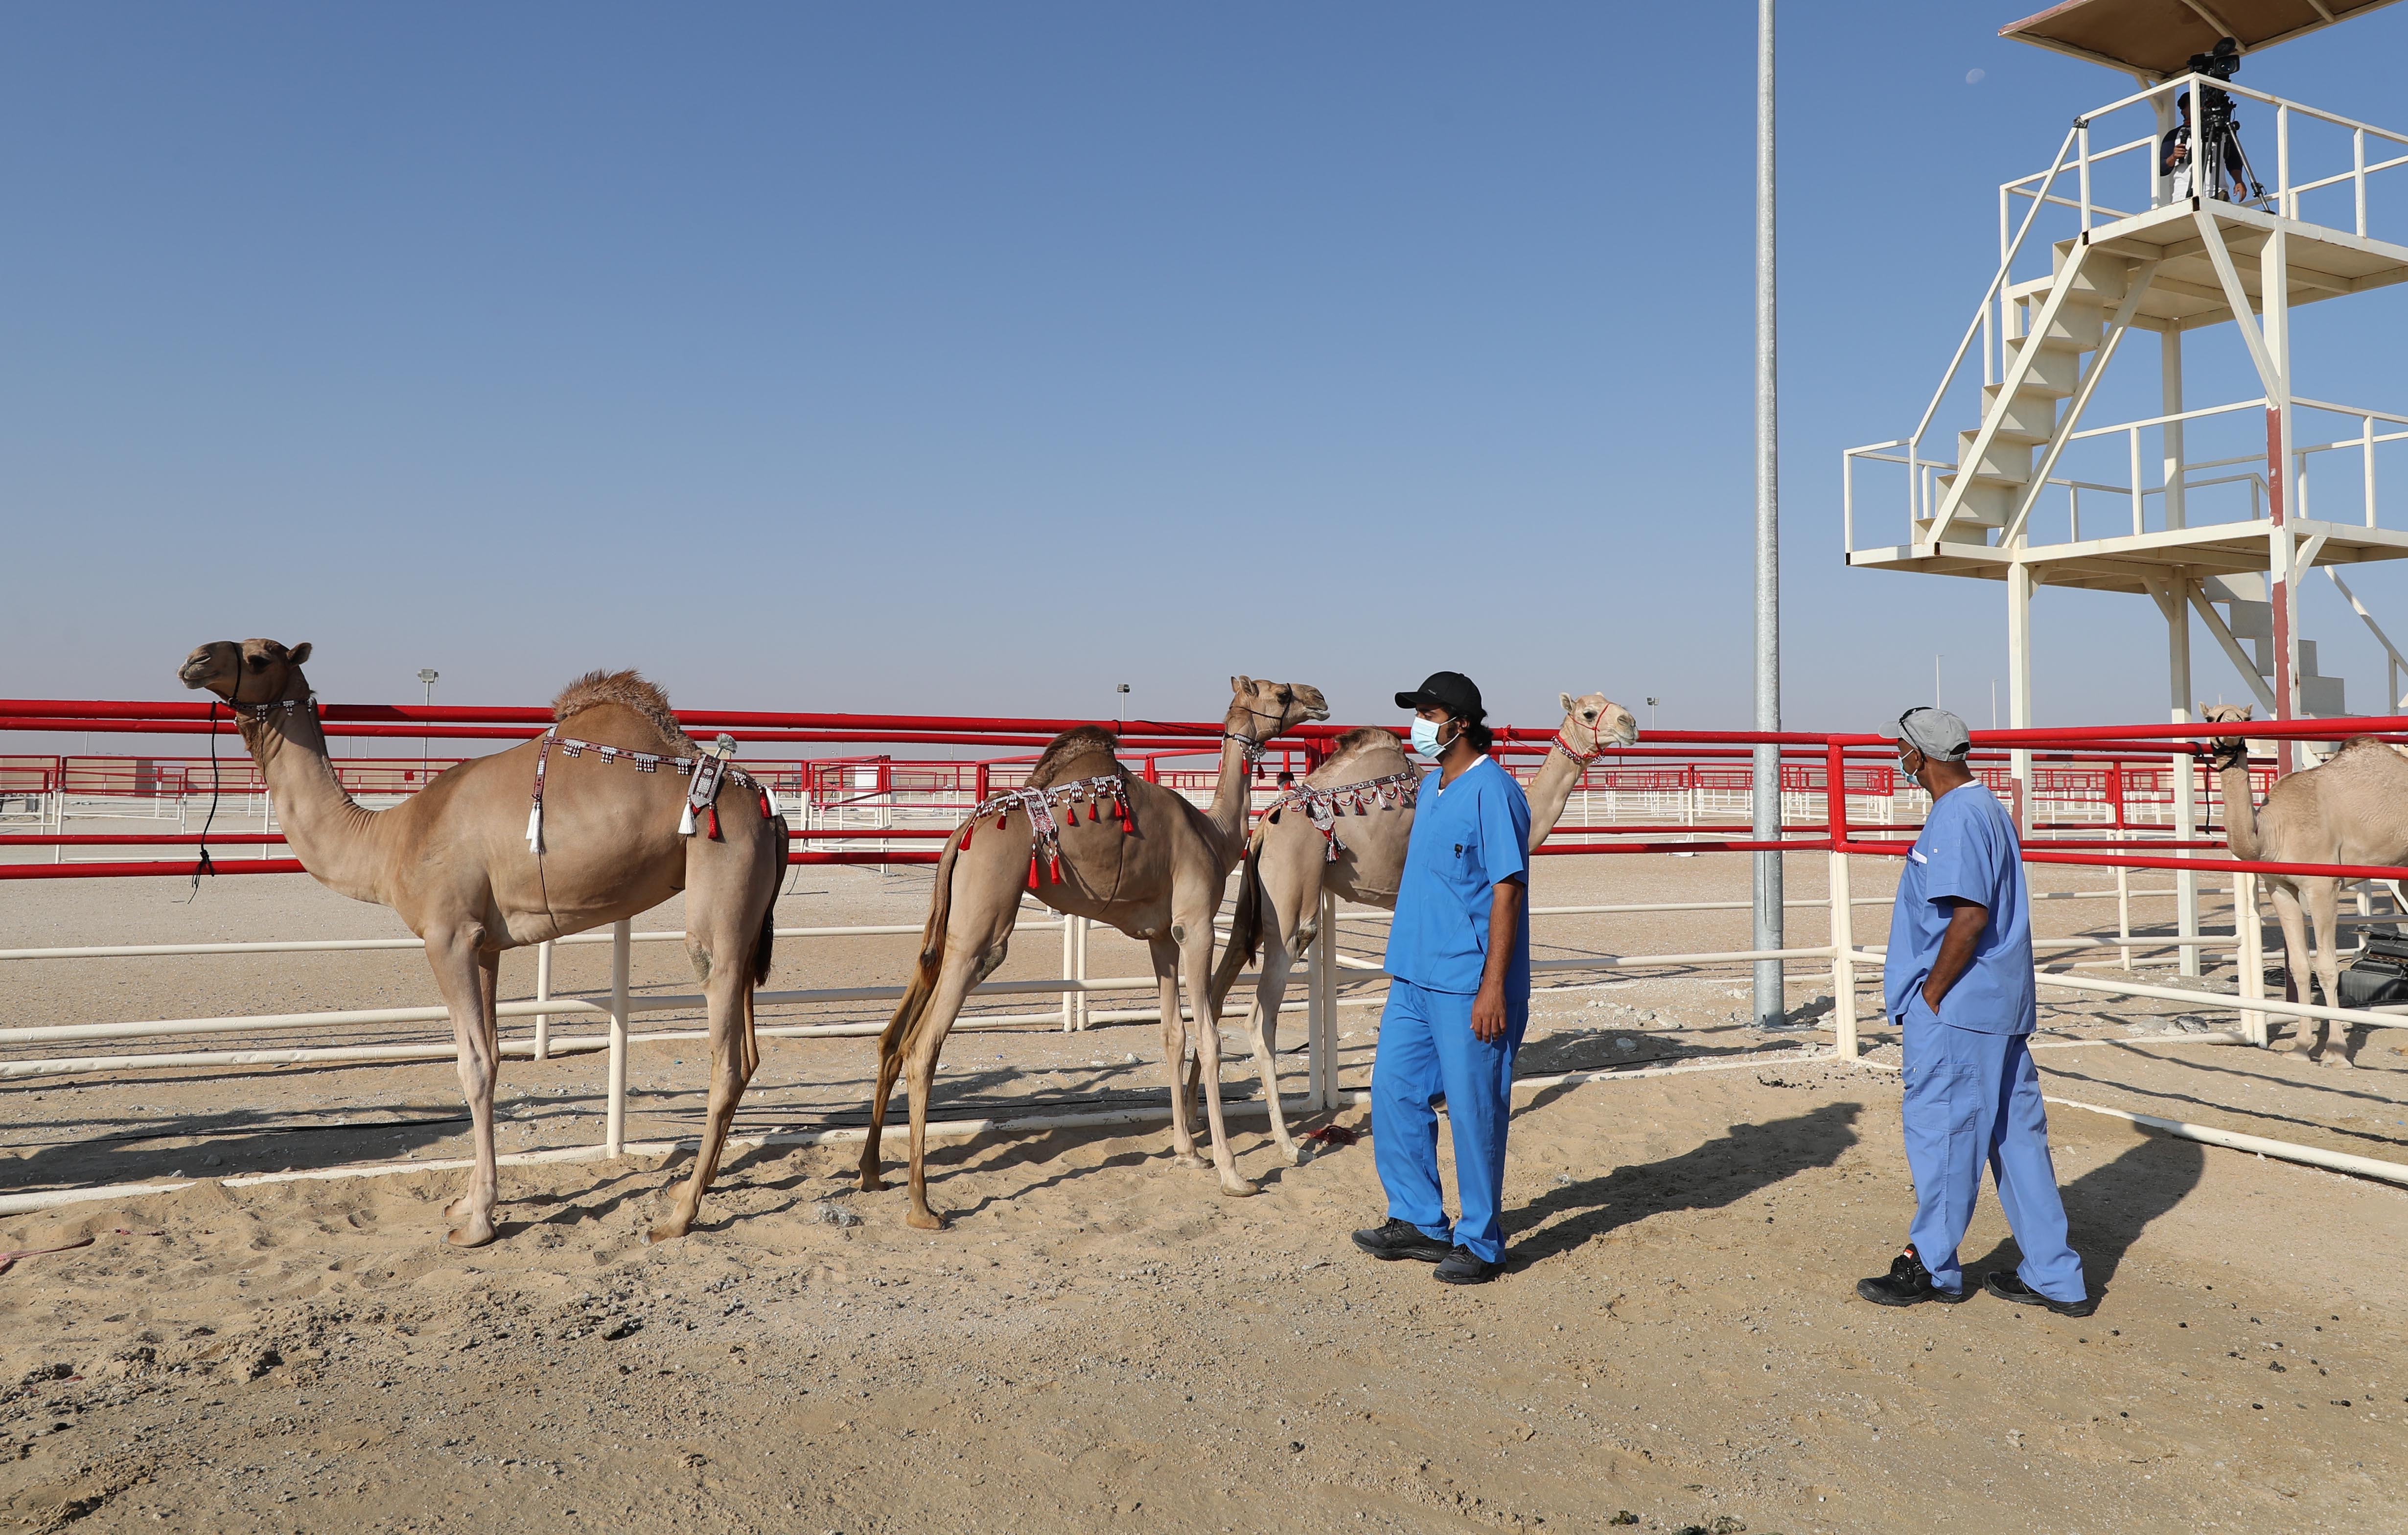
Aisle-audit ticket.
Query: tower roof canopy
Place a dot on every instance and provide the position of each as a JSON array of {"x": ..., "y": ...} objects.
[{"x": 2157, "y": 37}]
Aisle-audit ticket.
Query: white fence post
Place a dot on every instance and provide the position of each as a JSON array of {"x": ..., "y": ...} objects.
[
  {"x": 1843, "y": 960},
  {"x": 1329, "y": 1004},
  {"x": 544, "y": 994},
  {"x": 2252, "y": 934},
  {"x": 2123, "y": 911},
  {"x": 615, "y": 1133},
  {"x": 1070, "y": 1019}
]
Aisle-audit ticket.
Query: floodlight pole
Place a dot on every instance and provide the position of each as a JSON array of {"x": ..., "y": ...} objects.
[{"x": 1770, "y": 1004}]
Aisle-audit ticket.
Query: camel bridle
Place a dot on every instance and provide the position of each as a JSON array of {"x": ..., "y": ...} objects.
[{"x": 1597, "y": 746}]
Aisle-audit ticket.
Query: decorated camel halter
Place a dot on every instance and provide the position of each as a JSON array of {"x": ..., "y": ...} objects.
[
  {"x": 1325, "y": 806},
  {"x": 710, "y": 771},
  {"x": 1597, "y": 746},
  {"x": 1105, "y": 792}
]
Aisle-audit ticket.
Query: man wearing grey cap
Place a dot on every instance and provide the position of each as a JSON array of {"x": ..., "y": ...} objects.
[{"x": 1957, "y": 981}]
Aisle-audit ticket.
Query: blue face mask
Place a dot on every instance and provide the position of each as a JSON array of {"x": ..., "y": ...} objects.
[{"x": 1425, "y": 739}]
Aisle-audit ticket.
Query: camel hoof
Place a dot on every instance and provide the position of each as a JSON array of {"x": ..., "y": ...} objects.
[
  {"x": 1296, "y": 1156},
  {"x": 872, "y": 1184},
  {"x": 1187, "y": 1159},
  {"x": 668, "y": 1230},
  {"x": 923, "y": 1220},
  {"x": 458, "y": 1209},
  {"x": 1239, "y": 1190},
  {"x": 473, "y": 1235}
]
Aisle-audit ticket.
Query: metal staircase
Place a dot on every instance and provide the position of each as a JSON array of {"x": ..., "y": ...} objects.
[{"x": 2249, "y": 619}]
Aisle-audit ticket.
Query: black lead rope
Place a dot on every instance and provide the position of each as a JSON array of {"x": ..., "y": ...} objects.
[{"x": 209, "y": 866}]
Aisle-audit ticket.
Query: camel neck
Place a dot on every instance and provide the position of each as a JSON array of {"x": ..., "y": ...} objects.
[
  {"x": 330, "y": 832},
  {"x": 1232, "y": 793},
  {"x": 2240, "y": 811},
  {"x": 1550, "y": 791}
]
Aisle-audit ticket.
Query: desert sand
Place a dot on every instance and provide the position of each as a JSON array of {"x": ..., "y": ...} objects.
[{"x": 1100, "y": 1340}]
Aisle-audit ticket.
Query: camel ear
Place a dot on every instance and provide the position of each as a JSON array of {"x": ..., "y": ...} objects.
[
  {"x": 298, "y": 654},
  {"x": 1240, "y": 685},
  {"x": 1565, "y": 699}
]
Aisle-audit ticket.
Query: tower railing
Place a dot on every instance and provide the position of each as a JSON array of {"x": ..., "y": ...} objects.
[{"x": 2305, "y": 160}]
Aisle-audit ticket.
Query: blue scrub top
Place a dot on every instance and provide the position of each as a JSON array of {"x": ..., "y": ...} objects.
[
  {"x": 1968, "y": 851},
  {"x": 1468, "y": 837}
]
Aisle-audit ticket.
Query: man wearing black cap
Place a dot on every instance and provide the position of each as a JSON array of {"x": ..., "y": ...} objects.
[
  {"x": 1459, "y": 994},
  {"x": 1957, "y": 981}
]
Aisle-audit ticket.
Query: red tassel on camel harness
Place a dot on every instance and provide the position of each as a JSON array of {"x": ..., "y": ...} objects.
[
  {"x": 710, "y": 822},
  {"x": 968, "y": 827},
  {"x": 769, "y": 812},
  {"x": 1070, "y": 813},
  {"x": 1057, "y": 864},
  {"x": 1032, "y": 867},
  {"x": 1128, "y": 817}
]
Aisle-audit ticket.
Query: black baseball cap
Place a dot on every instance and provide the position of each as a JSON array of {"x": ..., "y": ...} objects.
[{"x": 1449, "y": 689}]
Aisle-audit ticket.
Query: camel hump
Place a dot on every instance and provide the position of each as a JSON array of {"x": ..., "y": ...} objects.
[
  {"x": 1350, "y": 748},
  {"x": 628, "y": 689},
  {"x": 1073, "y": 747}
]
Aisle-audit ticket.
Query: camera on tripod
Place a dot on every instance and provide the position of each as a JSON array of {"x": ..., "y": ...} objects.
[{"x": 2222, "y": 162}]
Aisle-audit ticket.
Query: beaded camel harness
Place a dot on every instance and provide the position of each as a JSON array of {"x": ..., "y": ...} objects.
[
  {"x": 1105, "y": 792},
  {"x": 1323, "y": 807},
  {"x": 710, "y": 771}
]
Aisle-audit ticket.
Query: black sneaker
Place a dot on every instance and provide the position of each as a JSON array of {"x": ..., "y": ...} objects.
[
  {"x": 1907, "y": 1284},
  {"x": 1393, "y": 1239},
  {"x": 1460, "y": 1267},
  {"x": 2009, "y": 1285}
]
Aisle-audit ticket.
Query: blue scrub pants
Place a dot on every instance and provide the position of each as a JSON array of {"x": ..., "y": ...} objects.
[
  {"x": 1427, "y": 1052},
  {"x": 1973, "y": 1098}
]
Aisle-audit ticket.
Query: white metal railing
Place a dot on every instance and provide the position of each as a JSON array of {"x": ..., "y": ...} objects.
[
  {"x": 2070, "y": 186},
  {"x": 1325, "y": 970}
]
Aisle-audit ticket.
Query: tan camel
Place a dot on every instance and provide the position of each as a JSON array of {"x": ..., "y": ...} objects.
[
  {"x": 1289, "y": 862},
  {"x": 2352, "y": 808},
  {"x": 454, "y": 861},
  {"x": 1142, "y": 859}
]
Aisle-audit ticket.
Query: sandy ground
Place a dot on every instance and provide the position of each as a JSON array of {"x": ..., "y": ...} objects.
[{"x": 1100, "y": 1341}]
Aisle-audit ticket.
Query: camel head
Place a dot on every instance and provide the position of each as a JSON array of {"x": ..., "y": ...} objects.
[
  {"x": 1260, "y": 709},
  {"x": 1594, "y": 723},
  {"x": 2231, "y": 750},
  {"x": 250, "y": 671}
]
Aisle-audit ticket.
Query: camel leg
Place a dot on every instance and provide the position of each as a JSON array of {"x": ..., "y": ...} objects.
[
  {"x": 1196, "y": 951},
  {"x": 1268, "y": 993},
  {"x": 2322, "y": 898},
  {"x": 890, "y": 1066},
  {"x": 2308, "y": 1034},
  {"x": 927, "y": 1039},
  {"x": 1174, "y": 1052},
  {"x": 735, "y": 1055},
  {"x": 467, "y": 978}
]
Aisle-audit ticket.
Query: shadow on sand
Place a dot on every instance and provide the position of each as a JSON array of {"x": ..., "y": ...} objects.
[
  {"x": 1722, "y": 1171},
  {"x": 2109, "y": 1206}
]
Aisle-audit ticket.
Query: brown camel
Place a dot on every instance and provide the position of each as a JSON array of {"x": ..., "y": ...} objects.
[
  {"x": 1289, "y": 862},
  {"x": 2352, "y": 808},
  {"x": 456, "y": 862},
  {"x": 1142, "y": 859}
]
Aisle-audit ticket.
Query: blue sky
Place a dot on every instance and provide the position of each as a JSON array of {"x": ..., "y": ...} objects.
[{"x": 973, "y": 359}]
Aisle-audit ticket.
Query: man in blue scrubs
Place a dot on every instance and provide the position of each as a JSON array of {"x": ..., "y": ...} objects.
[
  {"x": 1958, "y": 981},
  {"x": 1459, "y": 996}
]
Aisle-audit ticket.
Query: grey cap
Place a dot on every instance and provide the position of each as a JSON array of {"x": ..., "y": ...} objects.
[{"x": 1933, "y": 732}]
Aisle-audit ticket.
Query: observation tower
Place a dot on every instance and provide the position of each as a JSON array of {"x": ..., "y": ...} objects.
[
  {"x": 2204, "y": 509},
  {"x": 2219, "y": 509}
]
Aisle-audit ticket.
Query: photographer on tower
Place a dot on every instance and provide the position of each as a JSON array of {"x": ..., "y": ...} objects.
[{"x": 2223, "y": 150}]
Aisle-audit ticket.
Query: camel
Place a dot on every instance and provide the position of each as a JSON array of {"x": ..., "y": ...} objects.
[
  {"x": 1290, "y": 862},
  {"x": 454, "y": 862},
  {"x": 2351, "y": 808},
  {"x": 1144, "y": 860}
]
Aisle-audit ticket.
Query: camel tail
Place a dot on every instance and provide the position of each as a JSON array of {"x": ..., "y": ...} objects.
[
  {"x": 932, "y": 955},
  {"x": 1245, "y": 927},
  {"x": 761, "y": 950}
]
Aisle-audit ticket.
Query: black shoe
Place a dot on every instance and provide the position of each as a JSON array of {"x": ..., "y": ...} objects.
[
  {"x": 1393, "y": 1239},
  {"x": 1907, "y": 1284},
  {"x": 2009, "y": 1285},
  {"x": 1460, "y": 1267}
]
